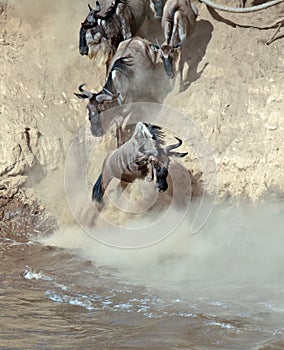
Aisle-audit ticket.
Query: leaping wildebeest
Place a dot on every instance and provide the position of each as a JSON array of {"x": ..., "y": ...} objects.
[
  {"x": 133, "y": 76},
  {"x": 101, "y": 33},
  {"x": 143, "y": 155},
  {"x": 178, "y": 24}
]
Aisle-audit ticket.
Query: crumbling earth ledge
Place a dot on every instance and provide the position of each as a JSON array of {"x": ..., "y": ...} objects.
[{"x": 22, "y": 219}]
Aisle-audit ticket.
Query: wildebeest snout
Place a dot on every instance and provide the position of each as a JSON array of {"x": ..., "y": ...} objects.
[
  {"x": 84, "y": 51},
  {"x": 96, "y": 125},
  {"x": 168, "y": 65},
  {"x": 161, "y": 187},
  {"x": 161, "y": 178}
]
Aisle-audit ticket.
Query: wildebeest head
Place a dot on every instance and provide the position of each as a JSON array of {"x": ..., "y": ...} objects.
[
  {"x": 91, "y": 19},
  {"x": 89, "y": 23},
  {"x": 97, "y": 40},
  {"x": 97, "y": 104},
  {"x": 93, "y": 41},
  {"x": 161, "y": 164},
  {"x": 83, "y": 47},
  {"x": 169, "y": 55},
  {"x": 157, "y": 7}
]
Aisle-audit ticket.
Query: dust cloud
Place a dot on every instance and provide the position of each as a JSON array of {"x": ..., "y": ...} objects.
[{"x": 238, "y": 244}]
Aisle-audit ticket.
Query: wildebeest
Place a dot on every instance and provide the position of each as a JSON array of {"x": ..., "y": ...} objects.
[
  {"x": 178, "y": 23},
  {"x": 100, "y": 34},
  {"x": 157, "y": 7},
  {"x": 142, "y": 155},
  {"x": 133, "y": 76}
]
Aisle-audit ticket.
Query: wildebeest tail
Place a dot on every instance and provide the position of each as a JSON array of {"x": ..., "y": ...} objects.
[
  {"x": 97, "y": 194},
  {"x": 157, "y": 132}
]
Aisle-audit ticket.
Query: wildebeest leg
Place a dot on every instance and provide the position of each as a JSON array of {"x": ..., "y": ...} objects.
[
  {"x": 180, "y": 68},
  {"x": 123, "y": 185},
  {"x": 119, "y": 134},
  {"x": 107, "y": 67},
  {"x": 98, "y": 191},
  {"x": 124, "y": 21},
  {"x": 150, "y": 175},
  {"x": 182, "y": 33},
  {"x": 167, "y": 30}
]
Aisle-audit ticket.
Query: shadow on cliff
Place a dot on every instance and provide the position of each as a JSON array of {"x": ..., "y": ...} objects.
[{"x": 195, "y": 51}]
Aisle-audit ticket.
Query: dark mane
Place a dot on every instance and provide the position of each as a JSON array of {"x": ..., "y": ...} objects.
[
  {"x": 157, "y": 133},
  {"x": 121, "y": 65}
]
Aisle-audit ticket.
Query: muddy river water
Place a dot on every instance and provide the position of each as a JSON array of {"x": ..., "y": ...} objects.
[{"x": 219, "y": 289}]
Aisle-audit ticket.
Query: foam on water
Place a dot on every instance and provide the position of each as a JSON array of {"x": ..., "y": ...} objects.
[{"x": 232, "y": 269}]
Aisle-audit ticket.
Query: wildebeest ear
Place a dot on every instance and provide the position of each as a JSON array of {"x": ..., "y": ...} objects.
[{"x": 104, "y": 97}]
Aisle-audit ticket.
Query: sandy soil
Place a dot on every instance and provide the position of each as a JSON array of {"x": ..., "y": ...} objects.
[{"x": 234, "y": 94}]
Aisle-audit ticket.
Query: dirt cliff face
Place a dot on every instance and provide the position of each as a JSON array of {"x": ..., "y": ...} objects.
[
  {"x": 237, "y": 100},
  {"x": 234, "y": 94}
]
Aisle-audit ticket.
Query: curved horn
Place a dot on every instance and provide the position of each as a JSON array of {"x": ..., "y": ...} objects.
[
  {"x": 107, "y": 92},
  {"x": 110, "y": 93},
  {"x": 176, "y": 145},
  {"x": 90, "y": 7},
  {"x": 101, "y": 97},
  {"x": 88, "y": 94}
]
